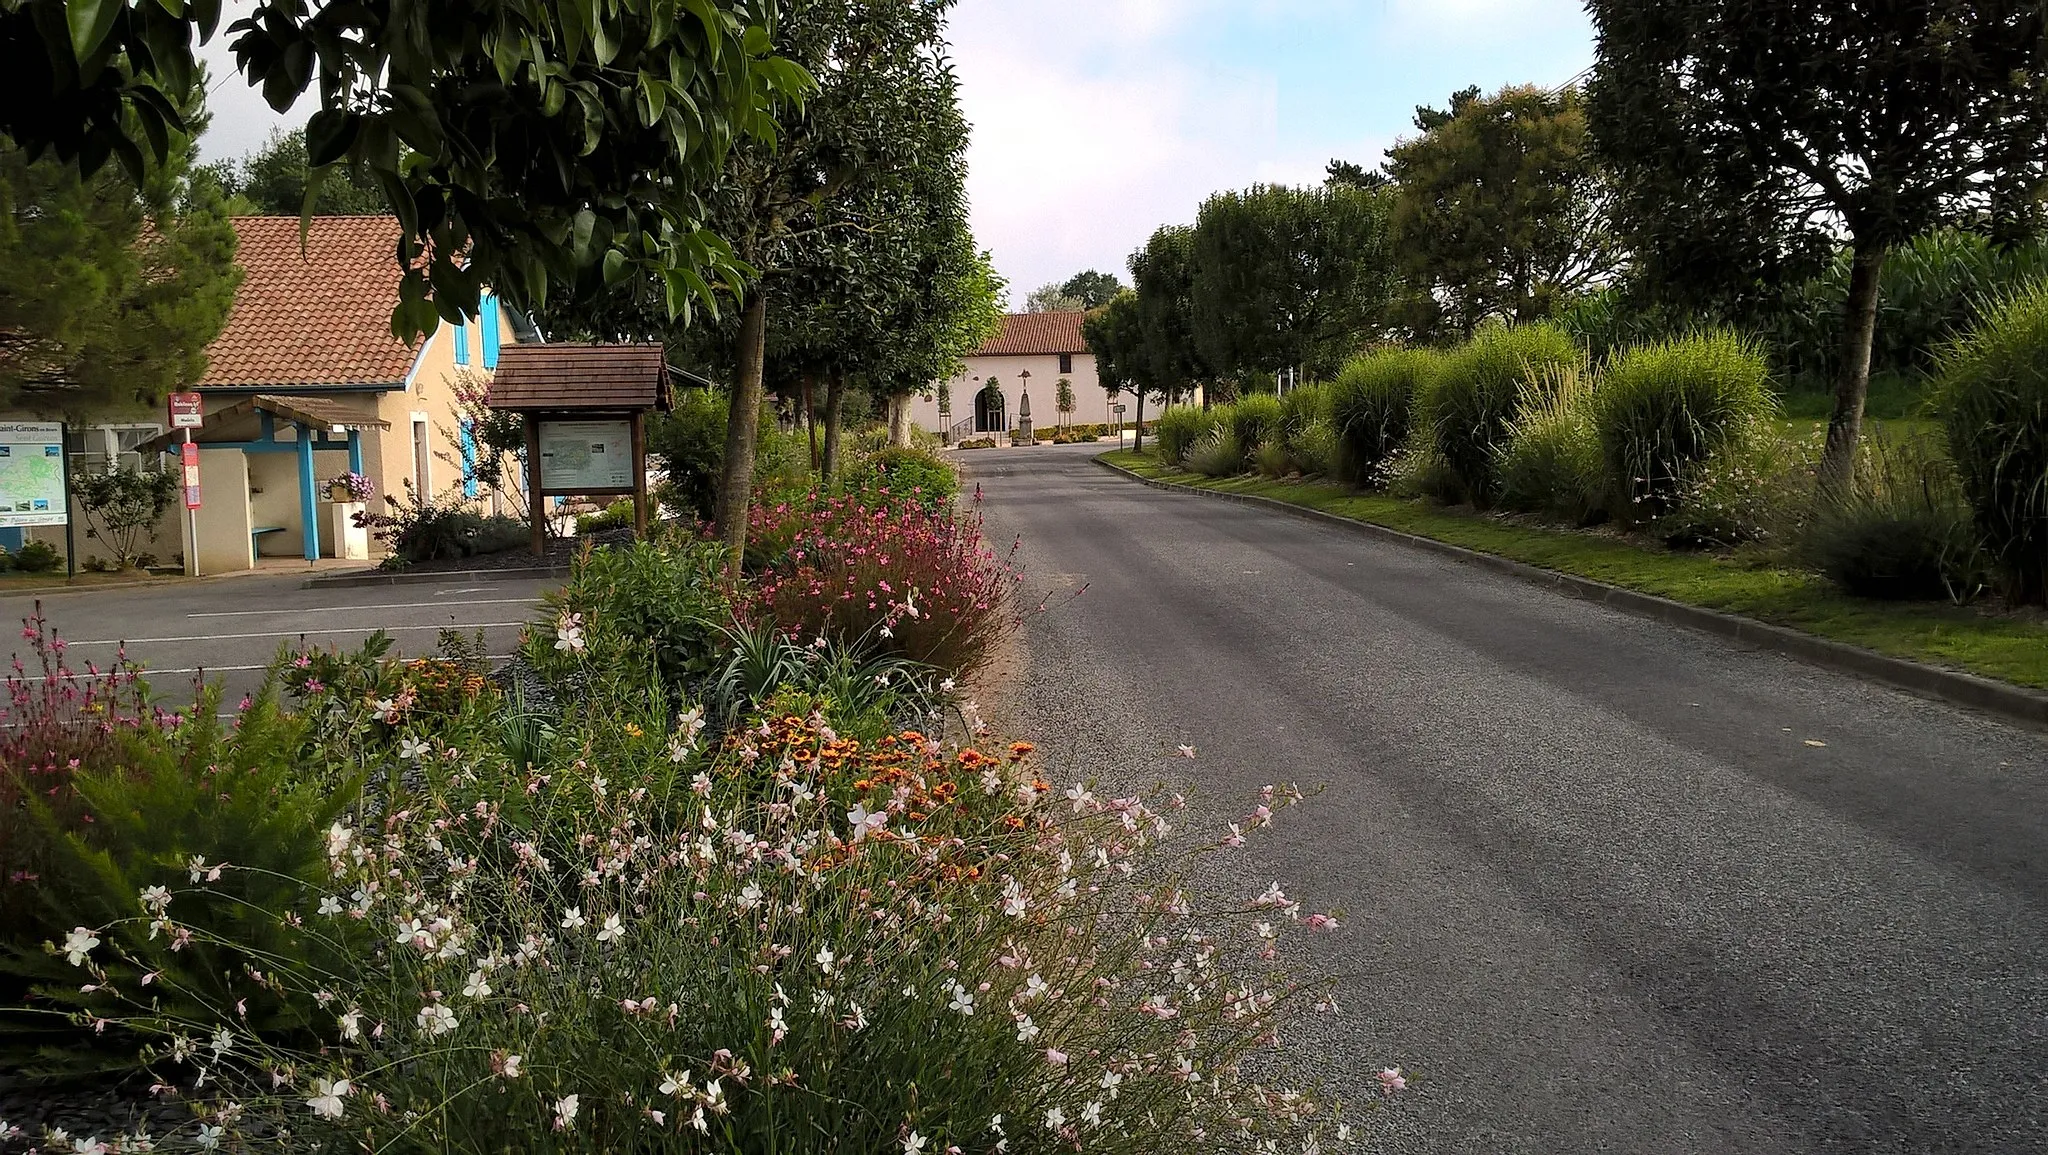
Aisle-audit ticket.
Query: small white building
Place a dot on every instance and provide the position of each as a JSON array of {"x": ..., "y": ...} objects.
[{"x": 1031, "y": 355}]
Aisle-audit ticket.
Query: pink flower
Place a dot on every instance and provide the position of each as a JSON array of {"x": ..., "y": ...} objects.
[
  {"x": 1391, "y": 1080},
  {"x": 1055, "y": 1056}
]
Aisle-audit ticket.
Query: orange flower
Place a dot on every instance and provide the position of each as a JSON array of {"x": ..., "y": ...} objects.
[{"x": 1019, "y": 749}]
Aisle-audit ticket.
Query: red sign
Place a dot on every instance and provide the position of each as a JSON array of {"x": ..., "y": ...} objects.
[
  {"x": 188, "y": 458},
  {"x": 185, "y": 411}
]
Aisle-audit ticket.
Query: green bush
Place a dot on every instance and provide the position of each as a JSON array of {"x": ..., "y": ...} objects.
[
  {"x": 1217, "y": 454},
  {"x": 1372, "y": 405},
  {"x": 1473, "y": 396},
  {"x": 666, "y": 595},
  {"x": 1178, "y": 429},
  {"x": 1252, "y": 419},
  {"x": 1272, "y": 460},
  {"x": 1552, "y": 464},
  {"x": 689, "y": 446},
  {"x": 1314, "y": 449},
  {"x": 617, "y": 515},
  {"x": 1992, "y": 394},
  {"x": 121, "y": 505},
  {"x": 1664, "y": 409},
  {"x": 904, "y": 473},
  {"x": 38, "y": 557},
  {"x": 1905, "y": 533},
  {"x": 1300, "y": 410}
]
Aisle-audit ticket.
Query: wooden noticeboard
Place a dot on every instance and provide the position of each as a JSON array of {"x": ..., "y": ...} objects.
[{"x": 586, "y": 455}]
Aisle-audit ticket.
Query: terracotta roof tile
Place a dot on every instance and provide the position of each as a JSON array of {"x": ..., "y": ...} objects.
[
  {"x": 1037, "y": 335},
  {"x": 574, "y": 375},
  {"x": 321, "y": 317}
]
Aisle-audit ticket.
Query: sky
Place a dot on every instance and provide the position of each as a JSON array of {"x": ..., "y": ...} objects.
[{"x": 1096, "y": 121}]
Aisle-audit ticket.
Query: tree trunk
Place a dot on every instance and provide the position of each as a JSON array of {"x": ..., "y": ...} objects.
[
  {"x": 742, "y": 426},
  {"x": 811, "y": 421},
  {"x": 1845, "y": 425},
  {"x": 835, "y": 398},
  {"x": 1138, "y": 443},
  {"x": 899, "y": 419}
]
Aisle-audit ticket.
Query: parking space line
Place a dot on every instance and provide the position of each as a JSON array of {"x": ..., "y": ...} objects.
[
  {"x": 299, "y": 633},
  {"x": 372, "y": 606}
]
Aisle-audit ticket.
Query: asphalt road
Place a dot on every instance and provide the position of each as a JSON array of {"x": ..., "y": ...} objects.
[
  {"x": 1612, "y": 885},
  {"x": 229, "y": 629}
]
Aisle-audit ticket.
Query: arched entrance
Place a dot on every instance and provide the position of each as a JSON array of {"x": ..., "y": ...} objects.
[{"x": 991, "y": 410}]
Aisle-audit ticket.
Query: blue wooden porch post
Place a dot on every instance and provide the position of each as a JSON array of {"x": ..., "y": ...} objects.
[
  {"x": 309, "y": 501},
  {"x": 355, "y": 451}
]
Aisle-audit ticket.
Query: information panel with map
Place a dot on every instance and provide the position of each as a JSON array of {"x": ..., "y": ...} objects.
[
  {"x": 32, "y": 474},
  {"x": 586, "y": 456}
]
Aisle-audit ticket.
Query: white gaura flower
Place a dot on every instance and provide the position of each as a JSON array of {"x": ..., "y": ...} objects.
[
  {"x": 612, "y": 930},
  {"x": 209, "y": 1137},
  {"x": 962, "y": 1001},
  {"x": 436, "y": 1020},
  {"x": 1055, "y": 1119},
  {"x": 1091, "y": 1114},
  {"x": 476, "y": 986},
  {"x": 1080, "y": 796},
  {"x": 569, "y": 637},
  {"x": 1112, "y": 1082},
  {"x": 913, "y": 1144},
  {"x": 412, "y": 749},
  {"x": 329, "y": 905},
  {"x": 565, "y": 1112},
  {"x": 327, "y": 1097},
  {"x": 1026, "y": 1029},
  {"x": 572, "y": 918},
  {"x": 749, "y": 897},
  {"x": 675, "y": 1084},
  {"x": 1187, "y": 751},
  {"x": 865, "y": 821},
  {"x": 1035, "y": 987},
  {"x": 155, "y": 899},
  {"x": 825, "y": 959},
  {"x": 78, "y": 944},
  {"x": 351, "y": 1024}
]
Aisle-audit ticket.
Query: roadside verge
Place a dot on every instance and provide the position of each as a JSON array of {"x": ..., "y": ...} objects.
[{"x": 2020, "y": 703}]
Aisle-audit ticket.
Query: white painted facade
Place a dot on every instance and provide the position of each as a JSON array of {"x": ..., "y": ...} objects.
[{"x": 1091, "y": 403}]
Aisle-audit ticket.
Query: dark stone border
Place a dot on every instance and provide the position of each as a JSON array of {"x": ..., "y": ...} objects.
[
  {"x": 402, "y": 578},
  {"x": 2013, "y": 703}
]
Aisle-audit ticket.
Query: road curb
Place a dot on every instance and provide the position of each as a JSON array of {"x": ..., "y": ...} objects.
[
  {"x": 2013, "y": 703},
  {"x": 376, "y": 578}
]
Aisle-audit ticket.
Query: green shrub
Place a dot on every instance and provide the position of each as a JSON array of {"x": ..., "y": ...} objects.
[
  {"x": 1301, "y": 409},
  {"x": 1905, "y": 533},
  {"x": 1272, "y": 460},
  {"x": 121, "y": 505},
  {"x": 1314, "y": 449},
  {"x": 1471, "y": 399},
  {"x": 617, "y": 515},
  {"x": 1664, "y": 409},
  {"x": 902, "y": 473},
  {"x": 689, "y": 446},
  {"x": 1372, "y": 406},
  {"x": 1552, "y": 464},
  {"x": 1992, "y": 394},
  {"x": 668, "y": 594},
  {"x": 417, "y": 529},
  {"x": 1253, "y": 419},
  {"x": 1178, "y": 429},
  {"x": 38, "y": 557},
  {"x": 1217, "y": 454}
]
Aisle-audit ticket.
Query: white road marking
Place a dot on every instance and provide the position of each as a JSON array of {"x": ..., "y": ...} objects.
[
  {"x": 298, "y": 633},
  {"x": 265, "y": 666},
  {"x": 358, "y": 609}
]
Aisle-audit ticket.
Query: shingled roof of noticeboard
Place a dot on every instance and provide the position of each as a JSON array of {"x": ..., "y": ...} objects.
[{"x": 573, "y": 376}]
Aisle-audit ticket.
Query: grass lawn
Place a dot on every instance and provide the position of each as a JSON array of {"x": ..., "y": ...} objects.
[{"x": 2012, "y": 648}]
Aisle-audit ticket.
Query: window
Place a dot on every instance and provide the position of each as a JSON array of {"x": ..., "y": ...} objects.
[
  {"x": 461, "y": 343},
  {"x": 469, "y": 484},
  {"x": 1066, "y": 363},
  {"x": 488, "y": 322}
]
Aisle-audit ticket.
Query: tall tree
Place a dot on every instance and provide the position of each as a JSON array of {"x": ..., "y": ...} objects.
[
  {"x": 1746, "y": 134},
  {"x": 1052, "y": 297},
  {"x": 275, "y": 179},
  {"x": 519, "y": 142},
  {"x": 1115, "y": 335},
  {"x": 1092, "y": 288},
  {"x": 1163, "y": 314},
  {"x": 1289, "y": 277},
  {"x": 1499, "y": 209},
  {"x": 110, "y": 291}
]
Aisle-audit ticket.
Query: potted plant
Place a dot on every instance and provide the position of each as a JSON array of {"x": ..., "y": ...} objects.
[{"x": 349, "y": 486}]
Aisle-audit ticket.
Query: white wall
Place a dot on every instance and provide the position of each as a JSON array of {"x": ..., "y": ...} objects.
[{"x": 1091, "y": 404}]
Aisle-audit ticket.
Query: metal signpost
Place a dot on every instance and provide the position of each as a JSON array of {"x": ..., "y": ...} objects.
[
  {"x": 1119, "y": 410},
  {"x": 186, "y": 416}
]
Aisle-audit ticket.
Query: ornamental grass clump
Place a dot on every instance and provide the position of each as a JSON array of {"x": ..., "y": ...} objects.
[
  {"x": 1904, "y": 533},
  {"x": 1178, "y": 429},
  {"x": 1992, "y": 394},
  {"x": 1664, "y": 409},
  {"x": 1551, "y": 464},
  {"x": 1372, "y": 406},
  {"x": 915, "y": 582},
  {"x": 790, "y": 941},
  {"x": 1253, "y": 420},
  {"x": 1219, "y": 453},
  {"x": 1470, "y": 401}
]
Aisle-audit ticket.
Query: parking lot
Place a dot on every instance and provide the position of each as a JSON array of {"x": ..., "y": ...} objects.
[{"x": 229, "y": 630}]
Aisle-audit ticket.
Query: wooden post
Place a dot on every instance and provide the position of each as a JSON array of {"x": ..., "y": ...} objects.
[
  {"x": 534, "y": 501},
  {"x": 640, "y": 474}
]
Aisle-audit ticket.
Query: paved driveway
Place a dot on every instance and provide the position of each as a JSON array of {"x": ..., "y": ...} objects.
[
  {"x": 230, "y": 629},
  {"x": 1613, "y": 885}
]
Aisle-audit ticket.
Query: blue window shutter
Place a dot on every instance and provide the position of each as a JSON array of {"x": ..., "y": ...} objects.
[
  {"x": 461, "y": 343},
  {"x": 469, "y": 487},
  {"x": 489, "y": 321}
]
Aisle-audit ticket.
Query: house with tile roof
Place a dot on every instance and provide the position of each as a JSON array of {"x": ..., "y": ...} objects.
[
  {"x": 306, "y": 381},
  {"x": 1029, "y": 356}
]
